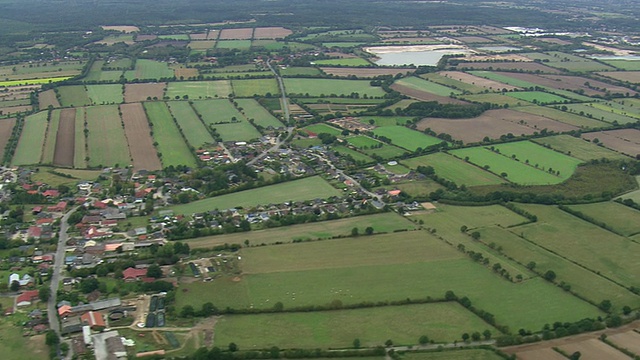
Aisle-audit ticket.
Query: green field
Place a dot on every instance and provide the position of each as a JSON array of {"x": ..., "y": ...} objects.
[
  {"x": 49, "y": 147},
  {"x": 462, "y": 354},
  {"x": 586, "y": 244},
  {"x": 540, "y": 157},
  {"x": 594, "y": 112},
  {"x": 622, "y": 219},
  {"x": 73, "y": 95},
  {"x": 407, "y": 138},
  {"x": 149, "y": 70},
  {"x": 199, "y": 89},
  {"x": 386, "y": 151},
  {"x": 80, "y": 151},
  {"x": 584, "y": 282},
  {"x": 386, "y": 120},
  {"x": 253, "y": 110},
  {"x": 454, "y": 169},
  {"x": 106, "y": 140},
  {"x": 386, "y": 222},
  {"x": 193, "y": 129},
  {"x": 250, "y": 88},
  {"x": 343, "y": 62},
  {"x": 451, "y": 83},
  {"x": 183, "y": 37},
  {"x": 444, "y": 322},
  {"x": 331, "y": 87},
  {"x": 356, "y": 156},
  {"x": 233, "y": 44},
  {"x": 345, "y": 101},
  {"x": 617, "y": 109},
  {"x": 240, "y": 131},
  {"x": 578, "y": 148},
  {"x": 341, "y": 44},
  {"x": 428, "y": 86},
  {"x": 362, "y": 142},
  {"x": 494, "y": 98},
  {"x": 97, "y": 74},
  {"x": 563, "y": 116},
  {"x": 323, "y": 128},
  {"x": 217, "y": 111},
  {"x": 172, "y": 147},
  {"x": 529, "y": 304},
  {"x": 105, "y": 94},
  {"x": 517, "y": 171},
  {"x": 568, "y": 62},
  {"x": 537, "y": 97},
  {"x": 16, "y": 346},
  {"x": 29, "y": 150},
  {"x": 624, "y": 64},
  {"x": 300, "y": 71},
  {"x": 303, "y": 189}
]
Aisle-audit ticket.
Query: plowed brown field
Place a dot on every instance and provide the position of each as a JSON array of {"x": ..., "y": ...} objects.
[
  {"x": 138, "y": 133},
  {"x": 6, "y": 127},
  {"x": 65, "y": 139},
  {"x": 425, "y": 96}
]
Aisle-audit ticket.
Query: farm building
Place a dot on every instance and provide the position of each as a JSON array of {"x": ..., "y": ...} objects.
[
  {"x": 94, "y": 320},
  {"x": 26, "y": 298}
]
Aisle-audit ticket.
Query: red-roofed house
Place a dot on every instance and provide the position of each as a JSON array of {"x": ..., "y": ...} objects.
[
  {"x": 45, "y": 221},
  {"x": 94, "y": 320},
  {"x": 99, "y": 205},
  {"x": 26, "y": 298},
  {"x": 394, "y": 192},
  {"x": 64, "y": 311},
  {"x": 51, "y": 193},
  {"x": 34, "y": 232},
  {"x": 59, "y": 207},
  {"x": 36, "y": 209},
  {"x": 132, "y": 274},
  {"x": 94, "y": 233}
]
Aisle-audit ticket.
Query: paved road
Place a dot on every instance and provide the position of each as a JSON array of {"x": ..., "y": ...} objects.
[
  {"x": 57, "y": 271},
  {"x": 285, "y": 108}
]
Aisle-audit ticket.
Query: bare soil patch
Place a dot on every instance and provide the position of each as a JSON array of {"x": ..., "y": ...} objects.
[
  {"x": 507, "y": 66},
  {"x": 47, "y": 98},
  {"x": 492, "y": 124},
  {"x": 202, "y": 36},
  {"x": 630, "y": 76},
  {"x": 236, "y": 34},
  {"x": 626, "y": 141},
  {"x": 425, "y": 96},
  {"x": 124, "y": 29},
  {"x": 476, "y": 80},
  {"x": 213, "y": 34},
  {"x": 594, "y": 349},
  {"x": 365, "y": 72},
  {"x": 65, "y": 139},
  {"x": 563, "y": 82},
  {"x": 271, "y": 32},
  {"x": 138, "y": 133},
  {"x": 629, "y": 340},
  {"x": 542, "y": 354},
  {"x": 140, "y": 92},
  {"x": 6, "y": 127},
  {"x": 146, "y": 37}
]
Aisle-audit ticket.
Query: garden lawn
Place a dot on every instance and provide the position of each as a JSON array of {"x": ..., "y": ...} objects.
[
  {"x": 29, "y": 149},
  {"x": 407, "y": 138},
  {"x": 331, "y": 87},
  {"x": 336, "y": 329},
  {"x": 172, "y": 147},
  {"x": 303, "y": 189},
  {"x": 105, "y": 94},
  {"x": 516, "y": 171},
  {"x": 193, "y": 129},
  {"x": 454, "y": 169}
]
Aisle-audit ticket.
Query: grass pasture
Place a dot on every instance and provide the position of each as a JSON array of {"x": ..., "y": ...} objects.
[
  {"x": 362, "y": 142},
  {"x": 217, "y": 111},
  {"x": 29, "y": 149},
  {"x": 303, "y": 189},
  {"x": 73, "y": 95},
  {"x": 356, "y": 156},
  {"x": 568, "y": 62},
  {"x": 336, "y": 329},
  {"x": 323, "y": 128},
  {"x": 537, "y": 97},
  {"x": 240, "y": 131},
  {"x": 105, "y": 94},
  {"x": 540, "y": 157},
  {"x": 452, "y": 83},
  {"x": 386, "y": 120},
  {"x": 233, "y": 44},
  {"x": 193, "y": 129},
  {"x": 495, "y": 98},
  {"x": 454, "y": 169},
  {"x": 172, "y": 147},
  {"x": 622, "y": 219},
  {"x": 563, "y": 116},
  {"x": 343, "y": 62},
  {"x": 407, "y": 138},
  {"x": 387, "y": 223},
  {"x": 106, "y": 141},
  {"x": 331, "y": 87},
  {"x": 253, "y": 110},
  {"x": 386, "y": 151},
  {"x": 597, "y": 113},
  {"x": 199, "y": 89},
  {"x": 517, "y": 172},
  {"x": 252, "y": 87},
  {"x": 428, "y": 86},
  {"x": 80, "y": 140},
  {"x": 149, "y": 70},
  {"x": 49, "y": 146},
  {"x": 578, "y": 148},
  {"x": 623, "y": 64}
]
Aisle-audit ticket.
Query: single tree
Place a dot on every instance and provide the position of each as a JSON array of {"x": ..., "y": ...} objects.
[
  {"x": 465, "y": 337},
  {"x": 423, "y": 340},
  {"x": 154, "y": 271},
  {"x": 369, "y": 230},
  {"x": 356, "y": 343},
  {"x": 44, "y": 293},
  {"x": 233, "y": 347}
]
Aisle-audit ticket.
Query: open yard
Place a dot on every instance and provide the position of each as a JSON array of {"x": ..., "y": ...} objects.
[
  {"x": 454, "y": 169},
  {"x": 443, "y": 322},
  {"x": 138, "y": 132},
  {"x": 331, "y": 87},
  {"x": 106, "y": 141},
  {"x": 172, "y": 147},
  {"x": 303, "y": 189},
  {"x": 407, "y": 138}
]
